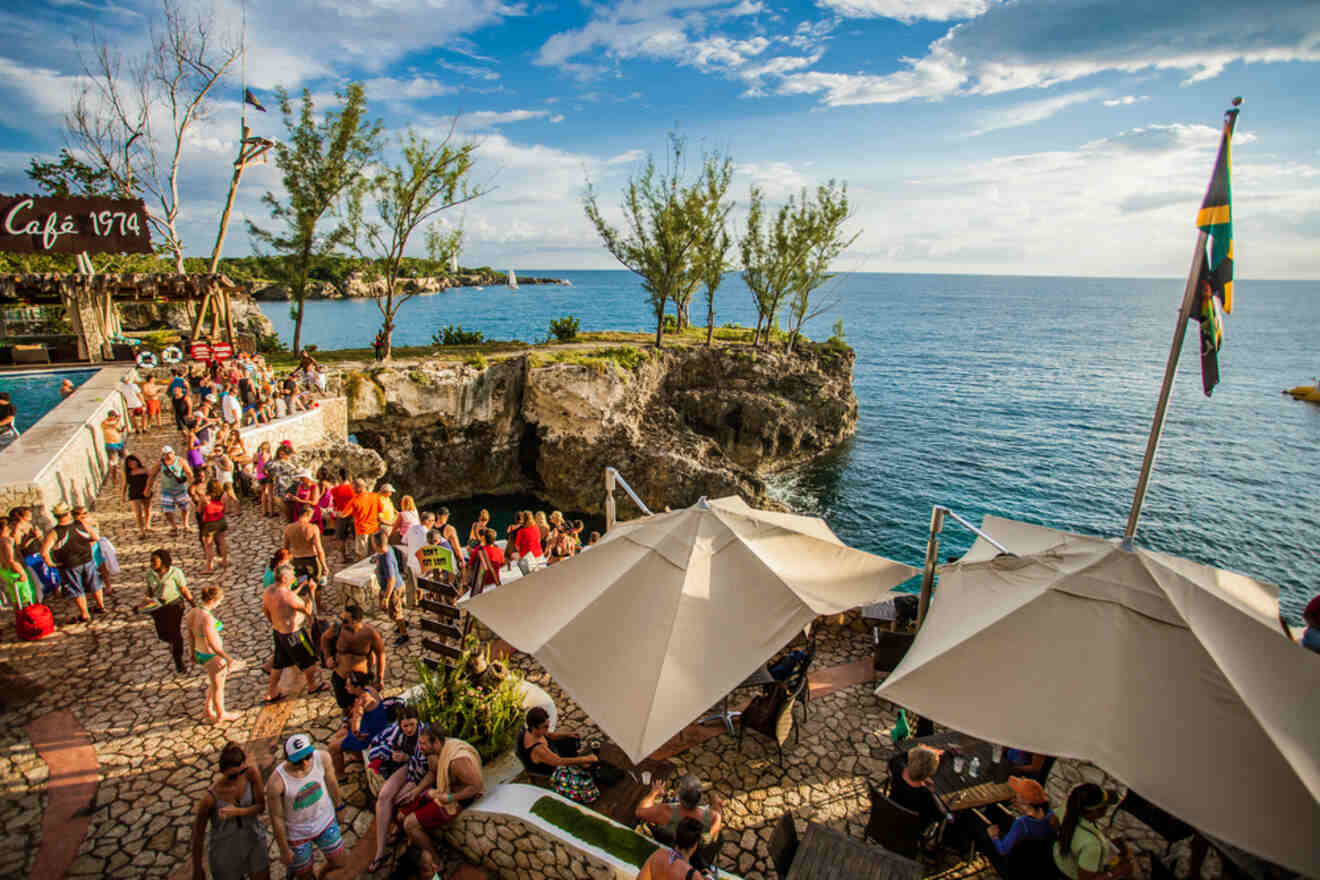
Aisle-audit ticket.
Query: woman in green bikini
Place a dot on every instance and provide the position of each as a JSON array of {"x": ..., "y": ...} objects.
[{"x": 203, "y": 629}]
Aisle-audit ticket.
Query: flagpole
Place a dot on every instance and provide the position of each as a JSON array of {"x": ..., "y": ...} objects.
[{"x": 1170, "y": 370}]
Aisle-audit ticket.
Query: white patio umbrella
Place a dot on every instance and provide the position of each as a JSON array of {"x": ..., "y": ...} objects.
[
  {"x": 1170, "y": 675},
  {"x": 668, "y": 613}
]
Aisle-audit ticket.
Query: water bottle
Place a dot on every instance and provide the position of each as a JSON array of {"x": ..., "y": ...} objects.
[
  {"x": 975, "y": 768},
  {"x": 997, "y": 754}
]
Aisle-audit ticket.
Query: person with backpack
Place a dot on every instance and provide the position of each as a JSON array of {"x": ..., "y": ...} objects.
[
  {"x": 213, "y": 525},
  {"x": 389, "y": 577},
  {"x": 68, "y": 547},
  {"x": 174, "y": 475}
]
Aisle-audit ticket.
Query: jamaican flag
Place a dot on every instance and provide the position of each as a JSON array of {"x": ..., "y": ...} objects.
[{"x": 1215, "y": 286}]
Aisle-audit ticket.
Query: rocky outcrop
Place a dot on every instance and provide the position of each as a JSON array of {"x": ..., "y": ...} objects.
[
  {"x": 678, "y": 424},
  {"x": 173, "y": 314},
  {"x": 356, "y": 285}
]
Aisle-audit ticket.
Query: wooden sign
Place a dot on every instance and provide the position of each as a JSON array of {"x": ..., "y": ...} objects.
[
  {"x": 434, "y": 556},
  {"x": 73, "y": 224}
]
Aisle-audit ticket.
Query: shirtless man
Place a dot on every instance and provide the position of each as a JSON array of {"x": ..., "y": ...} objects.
[
  {"x": 288, "y": 614},
  {"x": 113, "y": 433},
  {"x": 303, "y": 541},
  {"x": 352, "y": 644},
  {"x": 151, "y": 394},
  {"x": 453, "y": 777},
  {"x": 451, "y": 535}
]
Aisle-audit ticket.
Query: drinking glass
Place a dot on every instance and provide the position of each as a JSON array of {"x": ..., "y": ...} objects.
[
  {"x": 646, "y": 777},
  {"x": 959, "y": 765}
]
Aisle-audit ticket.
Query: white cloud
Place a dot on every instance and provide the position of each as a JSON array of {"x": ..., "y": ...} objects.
[
  {"x": 1035, "y": 43},
  {"x": 907, "y": 10},
  {"x": 482, "y": 119},
  {"x": 417, "y": 88},
  {"x": 1034, "y": 111},
  {"x": 674, "y": 31},
  {"x": 626, "y": 158},
  {"x": 1126, "y": 100}
]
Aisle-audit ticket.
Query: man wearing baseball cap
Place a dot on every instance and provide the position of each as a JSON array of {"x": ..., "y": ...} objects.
[
  {"x": 1037, "y": 823},
  {"x": 303, "y": 797},
  {"x": 68, "y": 547}
]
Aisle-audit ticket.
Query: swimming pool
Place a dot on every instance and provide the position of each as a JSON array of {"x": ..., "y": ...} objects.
[{"x": 35, "y": 394}]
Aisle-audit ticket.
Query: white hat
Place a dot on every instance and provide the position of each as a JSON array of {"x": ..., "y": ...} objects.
[
  {"x": 299, "y": 747},
  {"x": 167, "y": 450}
]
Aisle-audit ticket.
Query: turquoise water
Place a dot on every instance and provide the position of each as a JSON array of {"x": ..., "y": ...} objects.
[
  {"x": 1018, "y": 396},
  {"x": 35, "y": 394}
]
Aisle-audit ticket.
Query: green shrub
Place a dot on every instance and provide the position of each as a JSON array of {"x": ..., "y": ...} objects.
[
  {"x": 464, "y": 700},
  {"x": 449, "y": 335},
  {"x": 564, "y": 329},
  {"x": 477, "y": 360},
  {"x": 669, "y": 324}
]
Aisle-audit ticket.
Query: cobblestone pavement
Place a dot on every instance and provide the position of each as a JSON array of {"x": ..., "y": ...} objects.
[{"x": 156, "y": 754}]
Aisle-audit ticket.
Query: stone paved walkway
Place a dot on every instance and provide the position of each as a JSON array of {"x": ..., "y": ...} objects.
[{"x": 156, "y": 756}]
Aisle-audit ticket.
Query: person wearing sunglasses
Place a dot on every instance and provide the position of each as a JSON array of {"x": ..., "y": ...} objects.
[{"x": 236, "y": 841}]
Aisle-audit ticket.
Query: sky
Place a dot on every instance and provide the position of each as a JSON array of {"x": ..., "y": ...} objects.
[{"x": 1035, "y": 137}]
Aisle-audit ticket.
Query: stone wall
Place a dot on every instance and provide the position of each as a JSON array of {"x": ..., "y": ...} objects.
[
  {"x": 62, "y": 457},
  {"x": 327, "y": 422},
  {"x": 517, "y": 850}
]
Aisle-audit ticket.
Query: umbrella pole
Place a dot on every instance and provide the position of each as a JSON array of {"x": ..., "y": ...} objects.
[
  {"x": 932, "y": 556},
  {"x": 1170, "y": 369}
]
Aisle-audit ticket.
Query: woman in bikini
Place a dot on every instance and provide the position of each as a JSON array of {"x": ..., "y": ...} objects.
[
  {"x": 480, "y": 526},
  {"x": 676, "y": 863},
  {"x": 137, "y": 480},
  {"x": 208, "y": 649}
]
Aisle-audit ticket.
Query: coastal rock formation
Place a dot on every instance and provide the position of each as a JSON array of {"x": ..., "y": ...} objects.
[
  {"x": 356, "y": 285},
  {"x": 173, "y": 314},
  {"x": 678, "y": 424}
]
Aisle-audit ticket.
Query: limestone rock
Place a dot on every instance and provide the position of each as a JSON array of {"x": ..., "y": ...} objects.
[
  {"x": 335, "y": 454},
  {"x": 679, "y": 424}
]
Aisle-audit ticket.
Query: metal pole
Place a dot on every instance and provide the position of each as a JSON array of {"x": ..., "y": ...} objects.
[
  {"x": 932, "y": 556},
  {"x": 1170, "y": 370}
]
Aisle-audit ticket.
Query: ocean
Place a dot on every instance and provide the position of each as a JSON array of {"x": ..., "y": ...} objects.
[{"x": 1023, "y": 397}]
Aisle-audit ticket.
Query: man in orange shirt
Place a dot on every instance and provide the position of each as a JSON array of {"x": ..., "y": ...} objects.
[{"x": 365, "y": 510}]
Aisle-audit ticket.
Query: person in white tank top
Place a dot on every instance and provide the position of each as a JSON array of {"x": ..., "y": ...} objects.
[{"x": 303, "y": 798}]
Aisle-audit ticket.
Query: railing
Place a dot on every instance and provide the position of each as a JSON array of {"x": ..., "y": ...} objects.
[{"x": 612, "y": 476}]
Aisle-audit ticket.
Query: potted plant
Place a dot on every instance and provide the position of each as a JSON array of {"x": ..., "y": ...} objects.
[{"x": 475, "y": 699}]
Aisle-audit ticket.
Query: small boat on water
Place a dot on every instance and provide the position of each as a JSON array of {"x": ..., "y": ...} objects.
[
  {"x": 513, "y": 280},
  {"x": 478, "y": 288}
]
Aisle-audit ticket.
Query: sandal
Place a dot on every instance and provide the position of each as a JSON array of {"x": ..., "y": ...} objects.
[
  {"x": 316, "y": 690},
  {"x": 377, "y": 863},
  {"x": 269, "y": 701}
]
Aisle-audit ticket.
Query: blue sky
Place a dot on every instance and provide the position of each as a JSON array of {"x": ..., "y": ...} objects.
[{"x": 1070, "y": 137}]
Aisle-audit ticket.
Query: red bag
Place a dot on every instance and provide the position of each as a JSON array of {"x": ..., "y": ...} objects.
[{"x": 34, "y": 622}]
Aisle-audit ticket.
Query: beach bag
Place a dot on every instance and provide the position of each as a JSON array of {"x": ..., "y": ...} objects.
[
  {"x": 575, "y": 783},
  {"x": 34, "y": 622},
  {"x": 109, "y": 557}
]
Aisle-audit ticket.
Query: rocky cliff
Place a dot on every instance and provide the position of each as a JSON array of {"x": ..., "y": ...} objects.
[
  {"x": 356, "y": 285},
  {"x": 678, "y": 424},
  {"x": 173, "y": 314}
]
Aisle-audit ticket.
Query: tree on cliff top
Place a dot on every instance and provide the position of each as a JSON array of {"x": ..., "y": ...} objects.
[
  {"x": 430, "y": 179},
  {"x": 666, "y": 220},
  {"x": 131, "y": 116},
  {"x": 785, "y": 261},
  {"x": 319, "y": 163}
]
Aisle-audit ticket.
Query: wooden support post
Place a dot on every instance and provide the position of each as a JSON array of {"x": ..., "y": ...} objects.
[
  {"x": 610, "y": 512},
  {"x": 932, "y": 558}
]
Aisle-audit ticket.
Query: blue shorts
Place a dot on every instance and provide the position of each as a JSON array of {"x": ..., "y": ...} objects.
[
  {"x": 328, "y": 842},
  {"x": 81, "y": 580}
]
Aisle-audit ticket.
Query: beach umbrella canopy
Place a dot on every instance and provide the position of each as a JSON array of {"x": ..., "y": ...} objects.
[
  {"x": 1170, "y": 675},
  {"x": 667, "y": 614}
]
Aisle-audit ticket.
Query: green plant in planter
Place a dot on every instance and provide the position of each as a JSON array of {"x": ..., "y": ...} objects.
[{"x": 475, "y": 699}]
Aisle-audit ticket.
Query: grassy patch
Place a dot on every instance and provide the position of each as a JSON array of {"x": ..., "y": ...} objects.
[
  {"x": 625, "y": 845},
  {"x": 624, "y": 357},
  {"x": 477, "y": 360}
]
